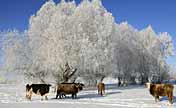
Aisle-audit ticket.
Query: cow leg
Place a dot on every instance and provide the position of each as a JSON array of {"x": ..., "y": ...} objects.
[
  {"x": 73, "y": 96},
  {"x": 41, "y": 98},
  {"x": 171, "y": 98},
  {"x": 63, "y": 95},
  {"x": 103, "y": 91},
  {"x": 46, "y": 98},
  {"x": 156, "y": 97},
  {"x": 57, "y": 94},
  {"x": 60, "y": 95},
  {"x": 29, "y": 94},
  {"x": 29, "y": 97},
  {"x": 99, "y": 92}
]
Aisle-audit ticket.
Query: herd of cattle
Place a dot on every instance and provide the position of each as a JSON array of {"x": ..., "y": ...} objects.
[{"x": 63, "y": 89}]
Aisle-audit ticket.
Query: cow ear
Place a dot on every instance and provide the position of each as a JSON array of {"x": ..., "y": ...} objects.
[
  {"x": 27, "y": 85},
  {"x": 49, "y": 85},
  {"x": 81, "y": 84}
]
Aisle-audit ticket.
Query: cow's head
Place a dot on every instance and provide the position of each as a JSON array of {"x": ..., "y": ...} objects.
[
  {"x": 28, "y": 87},
  {"x": 147, "y": 85},
  {"x": 79, "y": 86},
  {"x": 28, "y": 91},
  {"x": 49, "y": 85}
]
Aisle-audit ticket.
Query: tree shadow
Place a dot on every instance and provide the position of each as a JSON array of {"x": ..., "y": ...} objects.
[
  {"x": 166, "y": 98},
  {"x": 80, "y": 96},
  {"x": 93, "y": 95},
  {"x": 68, "y": 96},
  {"x": 115, "y": 86},
  {"x": 88, "y": 95},
  {"x": 53, "y": 98},
  {"x": 111, "y": 93}
]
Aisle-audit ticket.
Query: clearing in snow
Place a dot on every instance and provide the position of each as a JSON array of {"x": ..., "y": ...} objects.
[{"x": 12, "y": 96}]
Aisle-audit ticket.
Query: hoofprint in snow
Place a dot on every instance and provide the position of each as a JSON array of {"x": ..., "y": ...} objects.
[{"x": 12, "y": 96}]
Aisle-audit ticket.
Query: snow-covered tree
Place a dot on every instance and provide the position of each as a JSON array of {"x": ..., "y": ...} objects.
[
  {"x": 140, "y": 55},
  {"x": 95, "y": 27},
  {"x": 38, "y": 41},
  {"x": 80, "y": 36},
  {"x": 16, "y": 51},
  {"x": 86, "y": 39}
]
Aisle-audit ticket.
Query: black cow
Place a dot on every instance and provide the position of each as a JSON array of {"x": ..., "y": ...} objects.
[{"x": 39, "y": 89}]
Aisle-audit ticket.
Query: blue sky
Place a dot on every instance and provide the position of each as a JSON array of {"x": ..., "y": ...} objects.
[{"x": 161, "y": 14}]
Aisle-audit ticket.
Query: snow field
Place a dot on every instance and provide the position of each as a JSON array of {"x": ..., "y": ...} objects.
[{"x": 124, "y": 97}]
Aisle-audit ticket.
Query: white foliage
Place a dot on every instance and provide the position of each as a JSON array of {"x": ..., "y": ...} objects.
[{"x": 87, "y": 37}]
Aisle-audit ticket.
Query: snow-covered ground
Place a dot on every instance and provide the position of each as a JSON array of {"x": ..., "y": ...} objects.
[{"x": 12, "y": 96}]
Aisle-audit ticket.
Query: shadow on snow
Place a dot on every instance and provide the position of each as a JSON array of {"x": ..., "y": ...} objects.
[
  {"x": 93, "y": 95},
  {"x": 115, "y": 86},
  {"x": 89, "y": 95},
  {"x": 166, "y": 98}
]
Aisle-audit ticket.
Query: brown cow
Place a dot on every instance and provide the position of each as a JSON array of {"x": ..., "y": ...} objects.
[
  {"x": 101, "y": 88},
  {"x": 68, "y": 88},
  {"x": 157, "y": 90}
]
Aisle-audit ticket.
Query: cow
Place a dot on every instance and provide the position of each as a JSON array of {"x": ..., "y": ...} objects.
[
  {"x": 61, "y": 95},
  {"x": 38, "y": 89},
  {"x": 101, "y": 88},
  {"x": 157, "y": 90},
  {"x": 68, "y": 88}
]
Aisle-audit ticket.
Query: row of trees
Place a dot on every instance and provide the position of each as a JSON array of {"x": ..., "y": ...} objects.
[
  {"x": 141, "y": 54},
  {"x": 86, "y": 40}
]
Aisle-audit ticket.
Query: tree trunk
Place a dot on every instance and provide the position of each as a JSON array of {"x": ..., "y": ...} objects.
[
  {"x": 68, "y": 73},
  {"x": 144, "y": 80},
  {"x": 102, "y": 78},
  {"x": 119, "y": 81}
]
